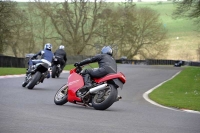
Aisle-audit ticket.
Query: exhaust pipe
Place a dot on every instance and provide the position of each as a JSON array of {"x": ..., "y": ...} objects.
[{"x": 98, "y": 88}]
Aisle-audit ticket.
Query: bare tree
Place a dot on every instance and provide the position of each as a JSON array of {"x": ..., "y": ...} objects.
[
  {"x": 17, "y": 36},
  {"x": 75, "y": 21},
  {"x": 18, "y": 32},
  {"x": 112, "y": 28},
  {"x": 43, "y": 29},
  {"x": 7, "y": 9},
  {"x": 135, "y": 32},
  {"x": 109, "y": 32},
  {"x": 145, "y": 33}
]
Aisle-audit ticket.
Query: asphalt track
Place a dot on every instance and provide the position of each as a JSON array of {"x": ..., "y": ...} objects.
[{"x": 33, "y": 111}]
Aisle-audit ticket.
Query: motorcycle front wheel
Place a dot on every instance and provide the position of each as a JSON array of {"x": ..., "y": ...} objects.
[
  {"x": 26, "y": 81},
  {"x": 105, "y": 98},
  {"x": 24, "y": 84},
  {"x": 61, "y": 95}
]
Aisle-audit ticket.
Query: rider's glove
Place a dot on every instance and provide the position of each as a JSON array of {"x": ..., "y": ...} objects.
[{"x": 76, "y": 64}]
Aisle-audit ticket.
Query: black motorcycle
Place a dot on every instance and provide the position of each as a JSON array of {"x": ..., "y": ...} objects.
[
  {"x": 36, "y": 76},
  {"x": 56, "y": 67}
]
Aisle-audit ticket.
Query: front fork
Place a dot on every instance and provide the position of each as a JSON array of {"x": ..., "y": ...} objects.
[{"x": 28, "y": 77}]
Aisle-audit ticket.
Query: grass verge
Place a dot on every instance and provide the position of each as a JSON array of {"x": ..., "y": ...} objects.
[
  {"x": 182, "y": 92},
  {"x": 11, "y": 71}
]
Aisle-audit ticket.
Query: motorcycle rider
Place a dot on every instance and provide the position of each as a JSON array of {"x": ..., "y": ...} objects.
[
  {"x": 60, "y": 52},
  {"x": 106, "y": 65},
  {"x": 46, "y": 57}
]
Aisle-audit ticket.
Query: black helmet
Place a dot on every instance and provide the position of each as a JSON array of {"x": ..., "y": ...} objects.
[{"x": 107, "y": 50}]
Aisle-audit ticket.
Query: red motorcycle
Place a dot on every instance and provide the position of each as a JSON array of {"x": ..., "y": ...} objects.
[{"x": 101, "y": 96}]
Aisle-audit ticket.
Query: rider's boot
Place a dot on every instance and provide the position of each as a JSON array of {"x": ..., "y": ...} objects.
[{"x": 87, "y": 86}]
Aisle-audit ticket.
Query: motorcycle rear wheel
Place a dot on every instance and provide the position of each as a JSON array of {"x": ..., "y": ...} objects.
[
  {"x": 34, "y": 80},
  {"x": 60, "y": 97},
  {"x": 53, "y": 75},
  {"x": 104, "y": 99},
  {"x": 58, "y": 74}
]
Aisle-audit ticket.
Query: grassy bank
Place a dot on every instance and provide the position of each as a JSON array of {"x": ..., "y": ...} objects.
[
  {"x": 181, "y": 92},
  {"x": 14, "y": 71}
]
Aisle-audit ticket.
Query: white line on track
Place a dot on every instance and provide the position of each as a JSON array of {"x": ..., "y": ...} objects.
[{"x": 145, "y": 96}]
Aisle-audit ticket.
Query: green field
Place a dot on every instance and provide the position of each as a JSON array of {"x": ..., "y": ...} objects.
[{"x": 180, "y": 27}]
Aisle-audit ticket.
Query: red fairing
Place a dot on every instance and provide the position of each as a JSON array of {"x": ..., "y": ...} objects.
[
  {"x": 75, "y": 82},
  {"x": 119, "y": 75}
]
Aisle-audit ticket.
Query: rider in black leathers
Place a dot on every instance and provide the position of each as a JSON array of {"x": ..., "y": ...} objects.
[
  {"x": 62, "y": 54},
  {"x": 106, "y": 65}
]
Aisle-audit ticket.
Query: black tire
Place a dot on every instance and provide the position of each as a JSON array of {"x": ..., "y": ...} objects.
[
  {"x": 53, "y": 74},
  {"x": 58, "y": 72},
  {"x": 111, "y": 93},
  {"x": 34, "y": 80},
  {"x": 60, "y": 100}
]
